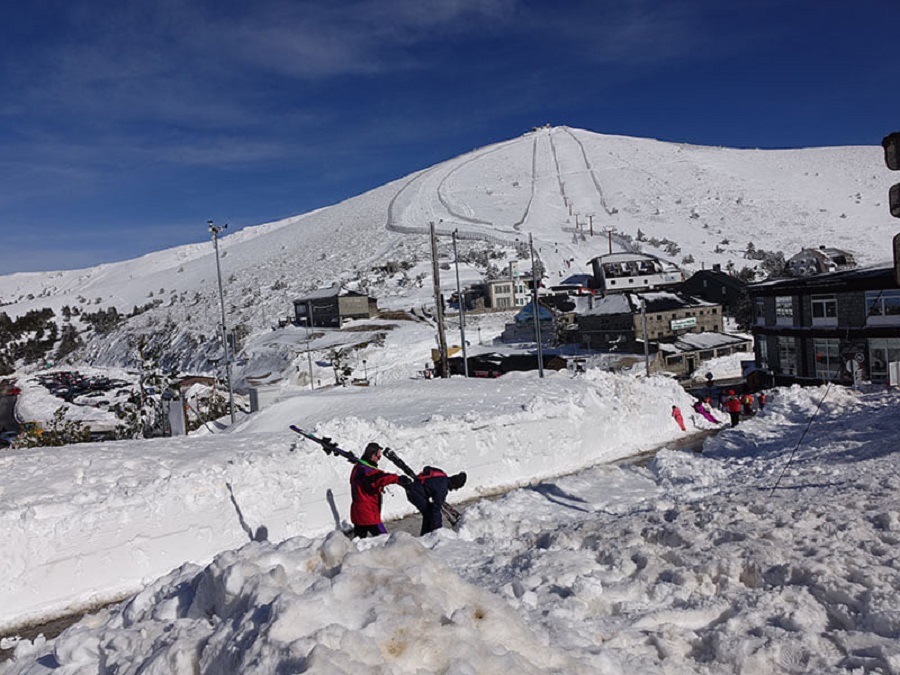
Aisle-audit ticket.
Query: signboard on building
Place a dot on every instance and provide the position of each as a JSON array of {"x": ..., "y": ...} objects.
[
  {"x": 681, "y": 324},
  {"x": 894, "y": 373}
]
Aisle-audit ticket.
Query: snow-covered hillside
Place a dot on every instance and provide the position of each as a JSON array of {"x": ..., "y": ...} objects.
[{"x": 556, "y": 185}]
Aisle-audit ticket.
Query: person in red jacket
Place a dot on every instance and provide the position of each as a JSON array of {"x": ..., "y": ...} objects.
[
  {"x": 733, "y": 406},
  {"x": 367, "y": 482},
  {"x": 676, "y": 414}
]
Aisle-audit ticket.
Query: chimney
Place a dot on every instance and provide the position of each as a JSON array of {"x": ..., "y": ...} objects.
[{"x": 717, "y": 267}]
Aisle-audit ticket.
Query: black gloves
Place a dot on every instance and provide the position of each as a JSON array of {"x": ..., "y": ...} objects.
[{"x": 404, "y": 481}]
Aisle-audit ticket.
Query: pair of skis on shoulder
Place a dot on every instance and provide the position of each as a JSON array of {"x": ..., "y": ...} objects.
[{"x": 332, "y": 448}]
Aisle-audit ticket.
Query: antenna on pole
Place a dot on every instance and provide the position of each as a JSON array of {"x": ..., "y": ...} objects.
[{"x": 215, "y": 237}]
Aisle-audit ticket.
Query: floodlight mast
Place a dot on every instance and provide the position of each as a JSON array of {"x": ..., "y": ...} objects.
[
  {"x": 214, "y": 230},
  {"x": 534, "y": 302},
  {"x": 461, "y": 301}
]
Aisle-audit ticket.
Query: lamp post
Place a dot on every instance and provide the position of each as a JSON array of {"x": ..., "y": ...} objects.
[
  {"x": 444, "y": 370},
  {"x": 646, "y": 337},
  {"x": 461, "y": 301},
  {"x": 537, "y": 320},
  {"x": 215, "y": 237},
  {"x": 366, "y": 371},
  {"x": 308, "y": 353}
]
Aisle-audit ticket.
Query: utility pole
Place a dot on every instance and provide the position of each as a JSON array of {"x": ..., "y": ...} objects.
[
  {"x": 534, "y": 302},
  {"x": 646, "y": 338},
  {"x": 462, "y": 310},
  {"x": 439, "y": 307},
  {"x": 609, "y": 232},
  {"x": 308, "y": 352},
  {"x": 215, "y": 237}
]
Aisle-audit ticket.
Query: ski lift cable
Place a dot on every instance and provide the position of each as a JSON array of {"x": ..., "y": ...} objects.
[{"x": 800, "y": 440}]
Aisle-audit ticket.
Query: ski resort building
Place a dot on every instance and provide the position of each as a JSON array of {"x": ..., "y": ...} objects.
[
  {"x": 618, "y": 320},
  {"x": 840, "y": 327},
  {"x": 716, "y": 286},
  {"x": 630, "y": 272},
  {"x": 330, "y": 307},
  {"x": 819, "y": 260}
]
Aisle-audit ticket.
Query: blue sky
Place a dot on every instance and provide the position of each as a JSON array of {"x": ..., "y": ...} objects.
[{"x": 125, "y": 126}]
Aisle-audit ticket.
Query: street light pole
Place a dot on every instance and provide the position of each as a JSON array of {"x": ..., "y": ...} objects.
[
  {"x": 438, "y": 306},
  {"x": 308, "y": 352},
  {"x": 534, "y": 302},
  {"x": 646, "y": 337},
  {"x": 215, "y": 237},
  {"x": 461, "y": 301}
]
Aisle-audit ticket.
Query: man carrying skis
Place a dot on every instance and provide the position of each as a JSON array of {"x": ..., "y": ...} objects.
[
  {"x": 367, "y": 482},
  {"x": 429, "y": 492}
]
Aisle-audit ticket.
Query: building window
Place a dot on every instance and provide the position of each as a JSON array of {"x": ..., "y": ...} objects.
[
  {"x": 784, "y": 310},
  {"x": 787, "y": 355},
  {"x": 824, "y": 310},
  {"x": 828, "y": 358},
  {"x": 759, "y": 311},
  {"x": 763, "y": 352},
  {"x": 882, "y": 307},
  {"x": 882, "y": 351}
]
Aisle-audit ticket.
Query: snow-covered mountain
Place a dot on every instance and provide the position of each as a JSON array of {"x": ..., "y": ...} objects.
[{"x": 577, "y": 193}]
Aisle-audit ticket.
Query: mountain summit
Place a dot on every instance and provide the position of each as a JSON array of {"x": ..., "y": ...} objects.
[{"x": 575, "y": 193}]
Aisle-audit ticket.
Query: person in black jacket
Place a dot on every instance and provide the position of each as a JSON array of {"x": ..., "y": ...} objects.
[{"x": 429, "y": 491}]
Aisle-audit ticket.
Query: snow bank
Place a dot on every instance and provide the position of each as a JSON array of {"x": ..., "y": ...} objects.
[{"x": 141, "y": 508}]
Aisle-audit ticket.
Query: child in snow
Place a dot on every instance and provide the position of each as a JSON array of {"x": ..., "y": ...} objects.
[{"x": 676, "y": 413}]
